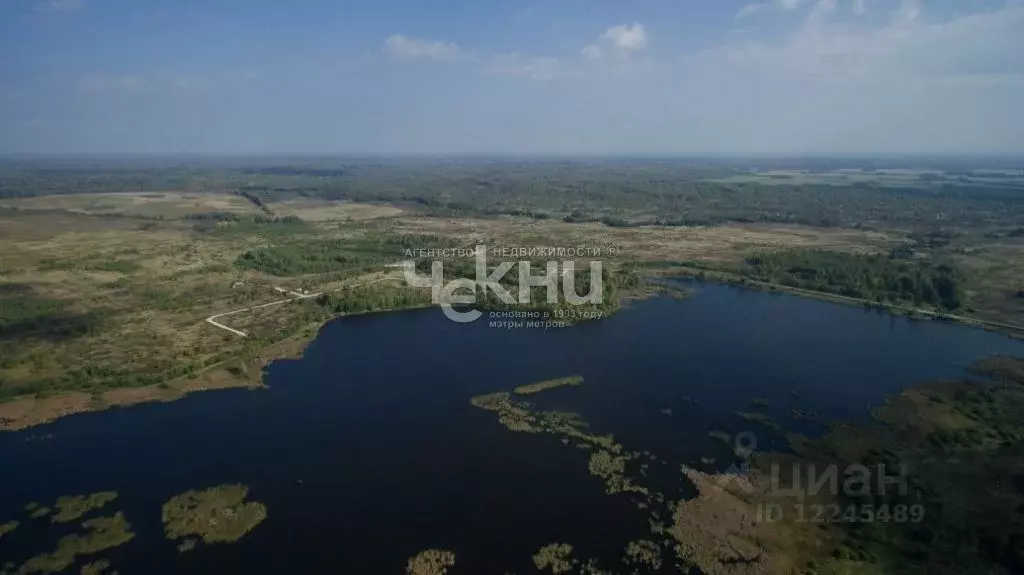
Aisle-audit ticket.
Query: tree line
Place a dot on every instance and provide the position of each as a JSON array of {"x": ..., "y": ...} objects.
[{"x": 874, "y": 277}]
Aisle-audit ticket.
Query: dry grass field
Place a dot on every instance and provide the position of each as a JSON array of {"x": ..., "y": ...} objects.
[
  {"x": 326, "y": 211},
  {"x": 721, "y": 243},
  {"x": 167, "y": 204},
  {"x": 146, "y": 287},
  {"x": 138, "y": 290}
]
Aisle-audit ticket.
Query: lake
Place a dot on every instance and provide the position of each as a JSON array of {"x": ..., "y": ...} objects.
[{"x": 367, "y": 450}]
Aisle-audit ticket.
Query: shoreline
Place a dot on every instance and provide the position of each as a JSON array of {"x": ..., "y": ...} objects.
[
  {"x": 732, "y": 279},
  {"x": 21, "y": 413}
]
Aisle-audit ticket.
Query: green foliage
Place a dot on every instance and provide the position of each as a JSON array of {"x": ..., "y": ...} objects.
[
  {"x": 616, "y": 191},
  {"x": 229, "y": 223},
  {"x": 872, "y": 277},
  {"x": 548, "y": 384},
  {"x": 24, "y": 315},
  {"x": 615, "y": 284},
  {"x": 216, "y": 515},
  {"x": 101, "y": 534},
  {"x": 369, "y": 299},
  {"x": 322, "y": 256},
  {"x": 118, "y": 266},
  {"x": 73, "y": 507},
  {"x": 958, "y": 446}
]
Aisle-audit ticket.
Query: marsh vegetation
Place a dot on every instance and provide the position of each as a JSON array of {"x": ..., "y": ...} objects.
[
  {"x": 72, "y": 507},
  {"x": 430, "y": 562},
  {"x": 548, "y": 384},
  {"x": 720, "y": 529},
  {"x": 99, "y": 534},
  {"x": 556, "y": 558},
  {"x": 96, "y": 568},
  {"x": 216, "y": 515}
]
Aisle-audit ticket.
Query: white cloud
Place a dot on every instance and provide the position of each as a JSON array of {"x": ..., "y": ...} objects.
[
  {"x": 592, "y": 51},
  {"x": 618, "y": 42},
  {"x": 859, "y": 6},
  {"x": 165, "y": 82},
  {"x": 60, "y": 6},
  {"x": 749, "y": 10},
  {"x": 933, "y": 83},
  {"x": 400, "y": 46},
  {"x": 909, "y": 11},
  {"x": 984, "y": 43},
  {"x": 625, "y": 37},
  {"x": 521, "y": 66},
  {"x": 821, "y": 11}
]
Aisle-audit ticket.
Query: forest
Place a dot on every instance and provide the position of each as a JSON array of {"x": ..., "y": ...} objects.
[
  {"x": 875, "y": 277},
  {"x": 619, "y": 192},
  {"x": 303, "y": 257}
]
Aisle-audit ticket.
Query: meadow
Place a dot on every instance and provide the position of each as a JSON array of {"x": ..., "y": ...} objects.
[{"x": 108, "y": 274}]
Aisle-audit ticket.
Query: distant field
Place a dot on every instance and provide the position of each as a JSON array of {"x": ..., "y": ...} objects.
[
  {"x": 150, "y": 204},
  {"x": 897, "y": 178},
  {"x": 172, "y": 204},
  {"x": 97, "y": 298},
  {"x": 313, "y": 210}
]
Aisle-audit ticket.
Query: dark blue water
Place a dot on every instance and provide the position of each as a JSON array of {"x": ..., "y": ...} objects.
[{"x": 367, "y": 450}]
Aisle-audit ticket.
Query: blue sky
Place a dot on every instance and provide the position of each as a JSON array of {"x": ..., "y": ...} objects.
[{"x": 515, "y": 76}]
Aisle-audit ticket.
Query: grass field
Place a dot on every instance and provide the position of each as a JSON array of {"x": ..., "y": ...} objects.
[
  {"x": 103, "y": 305},
  {"x": 324, "y": 211},
  {"x": 165, "y": 204},
  {"x": 136, "y": 293}
]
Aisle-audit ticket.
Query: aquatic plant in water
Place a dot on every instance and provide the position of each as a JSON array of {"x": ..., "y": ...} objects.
[
  {"x": 720, "y": 435},
  {"x": 102, "y": 533},
  {"x": 215, "y": 515},
  {"x": 548, "y": 384},
  {"x": 612, "y": 468},
  {"x": 758, "y": 417},
  {"x": 35, "y": 511},
  {"x": 609, "y": 461},
  {"x": 186, "y": 545},
  {"x": 72, "y": 507},
  {"x": 644, "y": 553},
  {"x": 430, "y": 562},
  {"x": 556, "y": 557},
  {"x": 96, "y": 567},
  {"x": 6, "y": 528}
]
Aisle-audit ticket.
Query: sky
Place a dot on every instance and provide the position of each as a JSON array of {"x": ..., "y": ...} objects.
[{"x": 720, "y": 77}]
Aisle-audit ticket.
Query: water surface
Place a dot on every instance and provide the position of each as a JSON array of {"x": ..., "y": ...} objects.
[{"x": 366, "y": 450}]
